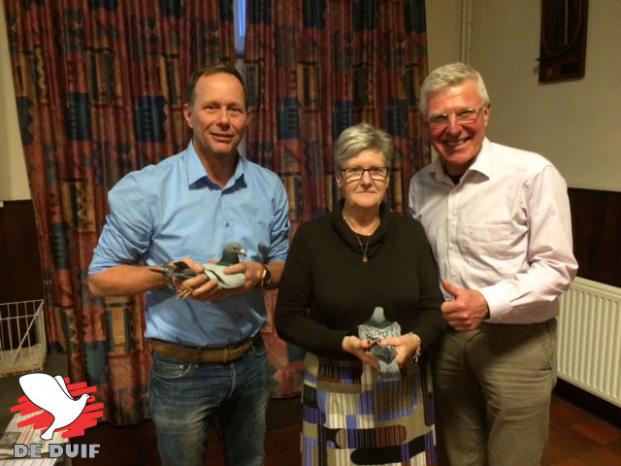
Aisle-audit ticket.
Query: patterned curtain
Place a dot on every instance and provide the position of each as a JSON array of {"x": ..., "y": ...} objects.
[
  {"x": 99, "y": 88},
  {"x": 315, "y": 67}
]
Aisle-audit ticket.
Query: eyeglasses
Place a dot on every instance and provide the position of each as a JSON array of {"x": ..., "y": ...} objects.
[
  {"x": 464, "y": 115},
  {"x": 355, "y": 173}
]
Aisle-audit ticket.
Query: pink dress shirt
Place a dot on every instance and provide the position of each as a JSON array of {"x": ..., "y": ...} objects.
[{"x": 504, "y": 230}]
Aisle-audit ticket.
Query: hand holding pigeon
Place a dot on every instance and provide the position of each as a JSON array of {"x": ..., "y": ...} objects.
[
  {"x": 376, "y": 329},
  {"x": 217, "y": 281},
  {"x": 405, "y": 345},
  {"x": 217, "y": 271},
  {"x": 360, "y": 349},
  {"x": 203, "y": 281}
]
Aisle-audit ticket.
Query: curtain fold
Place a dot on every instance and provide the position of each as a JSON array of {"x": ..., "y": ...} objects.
[
  {"x": 99, "y": 88},
  {"x": 314, "y": 68}
]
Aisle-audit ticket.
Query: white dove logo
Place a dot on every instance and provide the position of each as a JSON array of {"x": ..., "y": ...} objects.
[{"x": 51, "y": 394}]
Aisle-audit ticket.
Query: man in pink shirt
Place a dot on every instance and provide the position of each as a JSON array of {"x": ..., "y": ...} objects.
[{"x": 499, "y": 222}]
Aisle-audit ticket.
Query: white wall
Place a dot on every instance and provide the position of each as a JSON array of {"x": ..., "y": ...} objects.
[
  {"x": 443, "y": 31},
  {"x": 13, "y": 179},
  {"x": 572, "y": 123}
]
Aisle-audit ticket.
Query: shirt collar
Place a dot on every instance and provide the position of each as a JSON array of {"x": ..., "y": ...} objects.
[
  {"x": 198, "y": 177},
  {"x": 481, "y": 164}
]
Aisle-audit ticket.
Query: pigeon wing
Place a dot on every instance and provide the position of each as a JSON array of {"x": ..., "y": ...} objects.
[
  {"x": 37, "y": 386},
  {"x": 213, "y": 273},
  {"x": 61, "y": 382},
  {"x": 216, "y": 272}
]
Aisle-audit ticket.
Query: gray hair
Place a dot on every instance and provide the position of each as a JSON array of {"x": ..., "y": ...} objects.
[
  {"x": 361, "y": 137},
  {"x": 447, "y": 76}
]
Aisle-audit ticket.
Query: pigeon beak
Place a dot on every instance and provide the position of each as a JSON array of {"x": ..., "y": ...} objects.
[{"x": 242, "y": 252}]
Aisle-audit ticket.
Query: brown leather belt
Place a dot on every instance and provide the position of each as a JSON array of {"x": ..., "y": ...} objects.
[{"x": 199, "y": 355}]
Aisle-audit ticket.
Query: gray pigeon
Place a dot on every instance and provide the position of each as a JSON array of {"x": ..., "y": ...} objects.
[
  {"x": 230, "y": 256},
  {"x": 378, "y": 328}
]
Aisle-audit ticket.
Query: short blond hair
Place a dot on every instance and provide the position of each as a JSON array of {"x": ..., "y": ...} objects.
[
  {"x": 361, "y": 137},
  {"x": 447, "y": 76}
]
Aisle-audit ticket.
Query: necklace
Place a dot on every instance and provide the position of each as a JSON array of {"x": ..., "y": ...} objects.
[{"x": 364, "y": 248}]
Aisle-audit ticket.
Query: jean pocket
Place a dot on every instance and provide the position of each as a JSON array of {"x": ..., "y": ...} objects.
[{"x": 169, "y": 368}]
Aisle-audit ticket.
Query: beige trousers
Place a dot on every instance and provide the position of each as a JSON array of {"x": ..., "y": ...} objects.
[{"x": 492, "y": 388}]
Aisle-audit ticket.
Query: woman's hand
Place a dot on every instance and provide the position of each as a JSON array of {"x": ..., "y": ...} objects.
[
  {"x": 406, "y": 345},
  {"x": 360, "y": 349}
]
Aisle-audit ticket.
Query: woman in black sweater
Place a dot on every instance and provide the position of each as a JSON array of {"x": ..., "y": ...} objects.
[{"x": 339, "y": 269}]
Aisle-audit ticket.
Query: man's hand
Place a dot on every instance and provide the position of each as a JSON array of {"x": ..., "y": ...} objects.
[
  {"x": 188, "y": 287},
  {"x": 253, "y": 272},
  {"x": 203, "y": 289},
  {"x": 360, "y": 349},
  {"x": 467, "y": 311}
]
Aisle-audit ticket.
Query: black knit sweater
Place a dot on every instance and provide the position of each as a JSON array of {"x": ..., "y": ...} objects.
[{"x": 327, "y": 291}]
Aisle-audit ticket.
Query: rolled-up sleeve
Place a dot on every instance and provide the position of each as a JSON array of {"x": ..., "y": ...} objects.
[
  {"x": 128, "y": 229},
  {"x": 280, "y": 226}
]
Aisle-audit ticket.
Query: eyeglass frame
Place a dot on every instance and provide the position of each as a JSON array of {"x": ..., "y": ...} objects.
[
  {"x": 441, "y": 124},
  {"x": 362, "y": 172}
]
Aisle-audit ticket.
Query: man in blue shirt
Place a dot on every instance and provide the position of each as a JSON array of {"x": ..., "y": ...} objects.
[{"x": 208, "y": 358}]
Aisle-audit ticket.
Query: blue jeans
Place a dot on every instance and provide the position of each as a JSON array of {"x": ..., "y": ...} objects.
[{"x": 185, "y": 398}]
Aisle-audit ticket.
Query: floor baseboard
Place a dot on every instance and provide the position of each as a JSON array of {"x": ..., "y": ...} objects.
[{"x": 589, "y": 402}]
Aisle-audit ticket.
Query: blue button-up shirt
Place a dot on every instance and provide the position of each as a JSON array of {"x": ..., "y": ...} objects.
[{"x": 170, "y": 210}]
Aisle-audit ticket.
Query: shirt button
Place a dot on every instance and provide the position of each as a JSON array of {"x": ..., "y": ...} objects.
[{"x": 226, "y": 224}]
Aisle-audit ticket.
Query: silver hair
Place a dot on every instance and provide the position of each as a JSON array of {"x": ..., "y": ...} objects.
[
  {"x": 361, "y": 137},
  {"x": 447, "y": 76}
]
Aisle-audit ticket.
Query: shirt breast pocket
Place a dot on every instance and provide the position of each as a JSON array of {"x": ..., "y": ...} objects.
[{"x": 496, "y": 247}]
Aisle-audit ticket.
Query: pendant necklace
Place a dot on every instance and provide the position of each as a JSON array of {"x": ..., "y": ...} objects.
[{"x": 364, "y": 248}]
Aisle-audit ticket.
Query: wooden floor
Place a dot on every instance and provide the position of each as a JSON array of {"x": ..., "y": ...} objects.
[{"x": 577, "y": 438}]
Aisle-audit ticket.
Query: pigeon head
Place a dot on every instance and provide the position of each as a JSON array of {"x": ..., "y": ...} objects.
[
  {"x": 377, "y": 319},
  {"x": 231, "y": 253}
]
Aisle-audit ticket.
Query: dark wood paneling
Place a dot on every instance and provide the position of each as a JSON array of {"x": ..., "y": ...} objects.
[
  {"x": 20, "y": 266},
  {"x": 596, "y": 222}
]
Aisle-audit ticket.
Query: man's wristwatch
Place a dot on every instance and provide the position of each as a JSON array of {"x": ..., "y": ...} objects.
[{"x": 266, "y": 278}]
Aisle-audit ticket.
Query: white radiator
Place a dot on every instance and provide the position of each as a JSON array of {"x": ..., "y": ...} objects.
[{"x": 589, "y": 338}]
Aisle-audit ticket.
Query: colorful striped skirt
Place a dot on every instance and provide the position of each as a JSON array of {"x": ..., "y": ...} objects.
[{"x": 350, "y": 418}]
